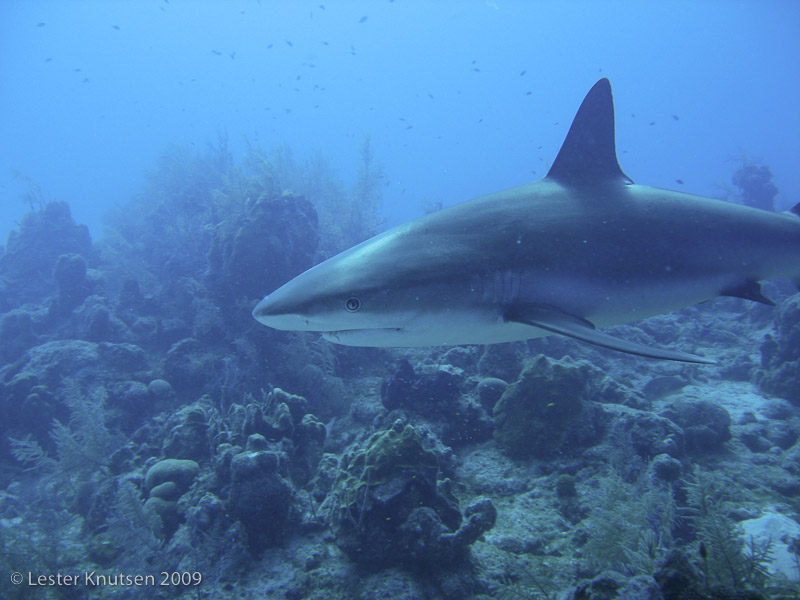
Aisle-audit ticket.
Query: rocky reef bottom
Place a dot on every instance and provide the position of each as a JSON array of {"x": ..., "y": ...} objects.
[{"x": 158, "y": 443}]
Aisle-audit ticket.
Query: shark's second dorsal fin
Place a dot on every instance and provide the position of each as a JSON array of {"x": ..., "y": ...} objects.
[{"x": 589, "y": 153}]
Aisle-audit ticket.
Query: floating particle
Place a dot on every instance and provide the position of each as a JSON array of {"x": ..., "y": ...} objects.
[
  {"x": 362, "y": 20},
  {"x": 523, "y": 72}
]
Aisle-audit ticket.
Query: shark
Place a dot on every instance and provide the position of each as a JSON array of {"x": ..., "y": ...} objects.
[{"x": 582, "y": 249}]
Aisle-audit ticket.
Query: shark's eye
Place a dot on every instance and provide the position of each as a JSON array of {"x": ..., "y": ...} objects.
[{"x": 352, "y": 304}]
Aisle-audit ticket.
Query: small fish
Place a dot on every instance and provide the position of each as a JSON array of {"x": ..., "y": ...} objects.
[
  {"x": 115, "y": 27},
  {"x": 430, "y": 95},
  {"x": 40, "y": 24},
  {"x": 476, "y": 69},
  {"x": 324, "y": 43},
  {"x": 523, "y": 72},
  {"x": 232, "y": 55},
  {"x": 217, "y": 52},
  {"x": 652, "y": 122},
  {"x": 679, "y": 181},
  {"x": 322, "y": 6},
  {"x": 676, "y": 117},
  {"x": 528, "y": 93},
  {"x": 362, "y": 20},
  {"x": 269, "y": 46},
  {"x": 288, "y": 43}
]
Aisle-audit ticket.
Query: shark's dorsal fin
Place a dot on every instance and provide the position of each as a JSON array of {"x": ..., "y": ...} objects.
[{"x": 589, "y": 153}]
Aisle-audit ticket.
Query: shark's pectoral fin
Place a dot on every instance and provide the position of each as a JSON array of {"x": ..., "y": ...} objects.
[
  {"x": 552, "y": 319},
  {"x": 749, "y": 290}
]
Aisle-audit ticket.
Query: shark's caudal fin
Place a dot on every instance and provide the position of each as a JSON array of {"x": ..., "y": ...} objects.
[
  {"x": 589, "y": 153},
  {"x": 552, "y": 319}
]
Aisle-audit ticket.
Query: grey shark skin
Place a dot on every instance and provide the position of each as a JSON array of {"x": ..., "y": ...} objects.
[{"x": 582, "y": 248}]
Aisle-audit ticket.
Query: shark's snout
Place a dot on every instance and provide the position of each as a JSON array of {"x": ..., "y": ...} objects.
[
  {"x": 273, "y": 312},
  {"x": 286, "y": 309},
  {"x": 263, "y": 311}
]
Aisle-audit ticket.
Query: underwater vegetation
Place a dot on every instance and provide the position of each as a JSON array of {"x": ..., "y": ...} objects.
[{"x": 150, "y": 425}]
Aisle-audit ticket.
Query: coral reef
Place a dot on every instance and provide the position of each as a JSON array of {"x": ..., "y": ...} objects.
[
  {"x": 394, "y": 510},
  {"x": 148, "y": 424}
]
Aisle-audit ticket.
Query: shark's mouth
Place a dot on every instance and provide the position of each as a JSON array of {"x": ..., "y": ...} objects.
[{"x": 379, "y": 336}]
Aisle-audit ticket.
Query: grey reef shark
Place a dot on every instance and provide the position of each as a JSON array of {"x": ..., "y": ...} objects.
[{"x": 581, "y": 249}]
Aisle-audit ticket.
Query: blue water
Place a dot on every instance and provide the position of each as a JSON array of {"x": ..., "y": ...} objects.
[{"x": 458, "y": 98}]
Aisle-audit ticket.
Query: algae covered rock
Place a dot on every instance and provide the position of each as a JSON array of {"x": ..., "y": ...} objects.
[
  {"x": 426, "y": 393},
  {"x": 534, "y": 412},
  {"x": 706, "y": 424},
  {"x": 180, "y": 472},
  {"x": 436, "y": 393},
  {"x": 393, "y": 510},
  {"x": 166, "y": 481},
  {"x": 189, "y": 438},
  {"x": 283, "y": 421},
  {"x": 30, "y": 258},
  {"x": 780, "y": 354},
  {"x": 261, "y": 496}
]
